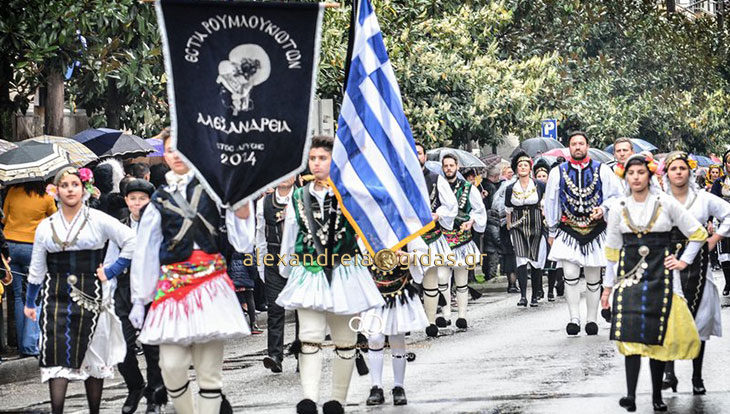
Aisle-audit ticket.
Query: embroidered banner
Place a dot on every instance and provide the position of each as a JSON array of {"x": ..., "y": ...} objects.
[{"x": 240, "y": 81}]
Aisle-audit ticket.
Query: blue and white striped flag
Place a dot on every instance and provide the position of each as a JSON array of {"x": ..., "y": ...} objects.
[{"x": 375, "y": 170}]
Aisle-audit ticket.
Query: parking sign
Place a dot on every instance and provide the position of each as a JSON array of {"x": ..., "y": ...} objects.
[{"x": 550, "y": 128}]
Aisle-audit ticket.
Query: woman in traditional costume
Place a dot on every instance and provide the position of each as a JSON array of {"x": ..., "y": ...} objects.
[
  {"x": 649, "y": 315},
  {"x": 81, "y": 337},
  {"x": 525, "y": 223},
  {"x": 698, "y": 283}
]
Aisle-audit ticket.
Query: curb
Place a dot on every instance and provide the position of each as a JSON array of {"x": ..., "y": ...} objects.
[{"x": 18, "y": 370}]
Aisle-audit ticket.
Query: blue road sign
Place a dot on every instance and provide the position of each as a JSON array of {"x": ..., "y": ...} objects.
[{"x": 550, "y": 128}]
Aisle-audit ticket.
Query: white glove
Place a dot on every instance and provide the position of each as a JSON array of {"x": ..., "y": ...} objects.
[{"x": 136, "y": 316}]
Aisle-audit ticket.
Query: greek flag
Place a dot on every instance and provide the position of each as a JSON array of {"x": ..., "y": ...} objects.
[{"x": 375, "y": 170}]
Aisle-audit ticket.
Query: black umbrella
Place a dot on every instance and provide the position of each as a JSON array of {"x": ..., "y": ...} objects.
[
  {"x": 33, "y": 161},
  {"x": 99, "y": 140},
  {"x": 128, "y": 146},
  {"x": 536, "y": 146}
]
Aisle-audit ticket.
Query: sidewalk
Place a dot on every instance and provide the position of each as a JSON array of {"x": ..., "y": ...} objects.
[{"x": 15, "y": 370}]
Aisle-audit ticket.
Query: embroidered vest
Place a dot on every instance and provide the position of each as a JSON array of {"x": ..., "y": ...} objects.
[
  {"x": 580, "y": 192},
  {"x": 172, "y": 223},
  {"x": 344, "y": 238},
  {"x": 457, "y": 237}
]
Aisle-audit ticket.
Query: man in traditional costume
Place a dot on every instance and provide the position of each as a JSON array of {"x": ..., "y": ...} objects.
[
  {"x": 471, "y": 215},
  {"x": 328, "y": 281},
  {"x": 575, "y": 193},
  {"x": 179, "y": 268},
  {"x": 436, "y": 274}
]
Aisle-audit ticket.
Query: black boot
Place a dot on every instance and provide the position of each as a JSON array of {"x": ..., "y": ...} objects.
[
  {"x": 536, "y": 282},
  {"x": 306, "y": 406},
  {"x": 333, "y": 407},
  {"x": 132, "y": 401},
  {"x": 512, "y": 283},
  {"x": 698, "y": 386},
  {"x": 399, "y": 396},
  {"x": 522, "y": 280},
  {"x": 432, "y": 331},
  {"x": 376, "y": 396}
]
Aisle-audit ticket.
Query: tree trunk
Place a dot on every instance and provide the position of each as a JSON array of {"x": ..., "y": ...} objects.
[
  {"x": 671, "y": 6},
  {"x": 6, "y": 106},
  {"x": 54, "y": 102},
  {"x": 113, "y": 107}
]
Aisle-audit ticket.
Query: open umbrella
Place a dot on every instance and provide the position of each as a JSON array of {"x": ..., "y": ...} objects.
[
  {"x": 33, "y": 161},
  {"x": 435, "y": 166},
  {"x": 536, "y": 146},
  {"x": 639, "y": 145},
  {"x": 491, "y": 160},
  {"x": 594, "y": 153},
  {"x": 6, "y": 146},
  {"x": 99, "y": 140},
  {"x": 466, "y": 159},
  {"x": 158, "y": 147},
  {"x": 128, "y": 146},
  {"x": 702, "y": 161},
  {"x": 78, "y": 154}
]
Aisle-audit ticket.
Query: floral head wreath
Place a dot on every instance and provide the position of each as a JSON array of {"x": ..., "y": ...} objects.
[
  {"x": 680, "y": 155},
  {"x": 84, "y": 174},
  {"x": 648, "y": 160}
]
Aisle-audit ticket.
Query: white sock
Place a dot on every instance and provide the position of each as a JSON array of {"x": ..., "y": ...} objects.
[
  {"x": 398, "y": 350},
  {"x": 375, "y": 359}
]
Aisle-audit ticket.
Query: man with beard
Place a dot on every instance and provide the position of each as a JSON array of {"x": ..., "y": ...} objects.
[
  {"x": 472, "y": 216},
  {"x": 575, "y": 193},
  {"x": 443, "y": 211}
]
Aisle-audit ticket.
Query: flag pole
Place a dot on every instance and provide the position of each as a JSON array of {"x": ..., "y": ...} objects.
[{"x": 350, "y": 43}]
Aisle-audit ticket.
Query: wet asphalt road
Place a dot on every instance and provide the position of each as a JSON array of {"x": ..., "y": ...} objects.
[{"x": 511, "y": 360}]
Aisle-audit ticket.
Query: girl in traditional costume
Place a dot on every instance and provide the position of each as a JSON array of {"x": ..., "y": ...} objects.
[
  {"x": 649, "y": 315},
  {"x": 698, "y": 283},
  {"x": 81, "y": 337}
]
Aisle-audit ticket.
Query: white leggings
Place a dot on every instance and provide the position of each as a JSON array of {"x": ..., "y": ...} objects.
[
  {"x": 207, "y": 358},
  {"x": 571, "y": 272},
  {"x": 312, "y": 330},
  {"x": 435, "y": 278},
  {"x": 397, "y": 343}
]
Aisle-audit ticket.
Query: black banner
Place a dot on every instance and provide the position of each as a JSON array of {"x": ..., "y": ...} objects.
[{"x": 241, "y": 79}]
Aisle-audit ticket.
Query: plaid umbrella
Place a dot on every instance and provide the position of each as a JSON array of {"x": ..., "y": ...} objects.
[
  {"x": 33, "y": 161},
  {"x": 6, "y": 146},
  {"x": 491, "y": 160},
  {"x": 79, "y": 154}
]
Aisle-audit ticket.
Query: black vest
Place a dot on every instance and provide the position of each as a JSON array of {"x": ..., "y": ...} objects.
[
  {"x": 432, "y": 189},
  {"x": 198, "y": 233},
  {"x": 274, "y": 223}
]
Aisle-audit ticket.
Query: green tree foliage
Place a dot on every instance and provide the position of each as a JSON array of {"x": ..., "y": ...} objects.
[{"x": 468, "y": 70}]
